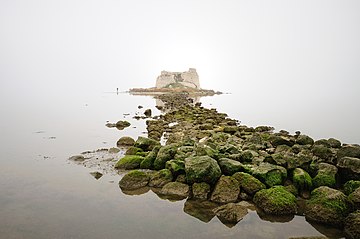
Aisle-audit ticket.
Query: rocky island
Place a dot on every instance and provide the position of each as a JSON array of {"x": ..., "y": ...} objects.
[{"x": 169, "y": 82}]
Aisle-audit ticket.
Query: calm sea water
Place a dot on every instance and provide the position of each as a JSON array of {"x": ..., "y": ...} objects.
[{"x": 43, "y": 195}]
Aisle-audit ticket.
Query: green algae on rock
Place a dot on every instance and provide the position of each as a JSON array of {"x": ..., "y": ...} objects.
[
  {"x": 129, "y": 162},
  {"x": 133, "y": 180},
  {"x": 202, "y": 169},
  {"x": 249, "y": 183}
]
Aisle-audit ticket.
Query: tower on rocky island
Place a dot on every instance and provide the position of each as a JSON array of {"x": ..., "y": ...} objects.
[{"x": 187, "y": 79}]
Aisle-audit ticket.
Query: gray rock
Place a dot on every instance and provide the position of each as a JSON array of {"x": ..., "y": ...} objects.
[
  {"x": 352, "y": 225},
  {"x": 125, "y": 141},
  {"x": 349, "y": 168},
  {"x": 226, "y": 190},
  {"x": 200, "y": 190},
  {"x": 160, "y": 178},
  {"x": 77, "y": 158},
  {"x": 133, "y": 180},
  {"x": 350, "y": 150},
  {"x": 176, "y": 190}
]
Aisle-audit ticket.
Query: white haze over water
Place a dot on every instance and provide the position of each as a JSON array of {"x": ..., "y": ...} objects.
[{"x": 287, "y": 63}]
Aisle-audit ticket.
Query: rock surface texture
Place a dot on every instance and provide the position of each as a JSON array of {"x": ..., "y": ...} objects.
[{"x": 188, "y": 78}]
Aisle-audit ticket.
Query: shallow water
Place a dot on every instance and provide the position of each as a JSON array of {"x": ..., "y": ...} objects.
[{"x": 43, "y": 195}]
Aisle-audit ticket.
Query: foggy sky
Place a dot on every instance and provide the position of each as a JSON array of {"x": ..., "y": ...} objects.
[{"x": 289, "y": 52}]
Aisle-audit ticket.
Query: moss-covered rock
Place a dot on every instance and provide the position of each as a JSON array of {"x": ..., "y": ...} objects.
[
  {"x": 133, "y": 180},
  {"x": 326, "y": 175},
  {"x": 176, "y": 166},
  {"x": 334, "y": 143},
  {"x": 301, "y": 179},
  {"x": 200, "y": 190},
  {"x": 226, "y": 190},
  {"x": 349, "y": 151},
  {"x": 248, "y": 183},
  {"x": 323, "y": 152},
  {"x": 134, "y": 151},
  {"x": 327, "y": 206},
  {"x": 304, "y": 140},
  {"x": 125, "y": 141},
  {"x": 269, "y": 174},
  {"x": 122, "y": 124},
  {"x": 276, "y": 201},
  {"x": 229, "y": 166},
  {"x": 205, "y": 150},
  {"x": 352, "y": 225},
  {"x": 349, "y": 168},
  {"x": 165, "y": 154},
  {"x": 350, "y": 186},
  {"x": 202, "y": 169},
  {"x": 129, "y": 162},
  {"x": 160, "y": 178},
  {"x": 354, "y": 198},
  {"x": 277, "y": 140},
  {"x": 176, "y": 190},
  {"x": 148, "y": 162},
  {"x": 146, "y": 144}
]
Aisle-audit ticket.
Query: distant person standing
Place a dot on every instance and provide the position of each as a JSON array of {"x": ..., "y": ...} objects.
[{"x": 117, "y": 91}]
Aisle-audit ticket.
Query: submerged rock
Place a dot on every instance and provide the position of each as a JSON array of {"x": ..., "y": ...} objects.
[
  {"x": 327, "y": 206},
  {"x": 176, "y": 190},
  {"x": 231, "y": 213},
  {"x": 133, "y": 180},
  {"x": 202, "y": 169},
  {"x": 276, "y": 200},
  {"x": 77, "y": 158},
  {"x": 96, "y": 175},
  {"x": 202, "y": 210}
]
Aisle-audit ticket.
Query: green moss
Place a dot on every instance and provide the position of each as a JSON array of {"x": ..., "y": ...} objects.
[
  {"x": 302, "y": 179},
  {"x": 273, "y": 178},
  {"x": 129, "y": 162},
  {"x": 351, "y": 186},
  {"x": 165, "y": 154},
  {"x": 322, "y": 179},
  {"x": 176, "y": 166},
  {"x": 249, "y": 183},
  {"x": 148, "y": 161},
  {"x": 133, "y": 151}
]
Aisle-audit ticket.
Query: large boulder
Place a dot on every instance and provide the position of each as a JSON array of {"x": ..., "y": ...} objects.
[
  {"x": 129, "y": 162},
  {"x": 231, "y": 213},
  {"x": 277, "y": 140},
  {"x": 276, "y": 201},
  {"x": 202, "y": 169},
  {"x": 328, "y": 206},
  {"x": 301, "y": 179},
  {"x": 160, "y": 178},
  {"x": 248, "y": 183},
  {"x": 175, "y": 190},
  {"x": 350, "y": 150},
  {"x": 349, "y": 168},
  {"x": 229, "y": 166},
  {"x": 165, "y": 154},
  {"x": 324, "y": 153},
  {"x": 352, "y": 225},
  {"x": 304, "y": 140},
  {"x": 146, "y": 144},
  {"x": 133, "y": 180},
  {"x": 200, "y": 190},
  {"x": 125, "y": 141},
  {"x": 226, "y": 190}
]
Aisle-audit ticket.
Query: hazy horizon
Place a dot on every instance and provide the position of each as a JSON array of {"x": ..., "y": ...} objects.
[{"x": 300, "y": 57}]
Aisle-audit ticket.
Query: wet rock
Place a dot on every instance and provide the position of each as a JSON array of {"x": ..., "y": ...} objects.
[
  {"x": 133, "y": 180},
  {"x": 352, "y": 225},
  {"x": 231, "y": 213},
  {"x": 248, "y": 183},
  {"x": 125, "y": 141},
  {"x": 328, "y": 206},
  {"x": 349, "y": 168},
  {"x": 202, "y": 169},
  {"x": 202, "y": 210},
  {"x": 176, "y": 167},
  {"x": 350, "y": 150},
  {"x": 165, "y": 154},
  {"x": 226, "y": 190},
  {"x": 304, "y": 140},
  {"x": 160, "y": 178},
  {"x": 146, "y": 144},
  {"x": 176, "y": 190},
  {"x": 229, "y": 166},
  {"x": 354, "y": 198},
  {"x": 302, "y": 180},
  {"x": 77, "y": 158},
  {"x": 351, "y": 186},
  {"x": 96, "y": 175},
  {"x": 134, "y": 151},
  {"x": 129, "y": 162},
  {"x": 200, "y": 190},
  {"x": 326, "y": 175},
  {"x": 276, "y": 200},
  {"x": 122, "y": 124},
  {"x": 268, "y": 173},
  {"x": 148, "y": 113},
  {"x": 148, "y": 161},
  {"x": 113, "y": 150}
]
